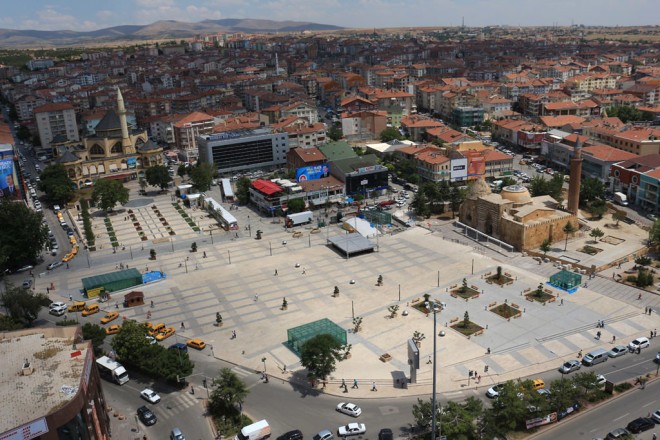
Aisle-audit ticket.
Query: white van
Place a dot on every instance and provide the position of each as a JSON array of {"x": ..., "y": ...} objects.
[{"x": 256, "y": 431}]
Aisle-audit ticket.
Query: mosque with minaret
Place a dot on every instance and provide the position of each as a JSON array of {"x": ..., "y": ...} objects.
[{"x": 116, "y": 150}]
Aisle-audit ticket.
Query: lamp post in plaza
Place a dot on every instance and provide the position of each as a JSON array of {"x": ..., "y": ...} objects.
[{"x": 435, "y": 369}]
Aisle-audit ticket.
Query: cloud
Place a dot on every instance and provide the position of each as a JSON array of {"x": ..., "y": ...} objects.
[{"x": 51, "y": 19}]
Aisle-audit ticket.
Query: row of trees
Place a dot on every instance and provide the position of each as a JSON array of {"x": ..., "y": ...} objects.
[
  {"x": 133, "y": 348},
  {"x": 433, "y": 197},
  {"x": 517, "y": 402}
]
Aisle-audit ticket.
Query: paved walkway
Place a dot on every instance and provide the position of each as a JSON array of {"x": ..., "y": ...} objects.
[{"x": 238, "y": 280}]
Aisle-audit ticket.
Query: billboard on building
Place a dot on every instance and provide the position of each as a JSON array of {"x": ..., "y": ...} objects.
[
  {"x": 8, "y": 187},
  {"x": 476, "y": 165},
  {"x": 459, "y": 169},
  {"x": 131, "y": 162},
  {"x": 312, "y": 173},
  {"x": 527, "y": 138}
]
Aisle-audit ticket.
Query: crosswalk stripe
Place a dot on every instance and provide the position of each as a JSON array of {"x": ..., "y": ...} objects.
[{"x": 240, "y": 371}]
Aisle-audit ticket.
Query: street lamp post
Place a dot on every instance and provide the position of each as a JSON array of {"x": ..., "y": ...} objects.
[
  {"x": 435, "y": 369},
  {"x": 211, "y": 231}
]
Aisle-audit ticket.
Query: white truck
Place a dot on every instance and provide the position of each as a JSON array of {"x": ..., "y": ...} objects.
[
  {"x": 299, "y": 218},
  {"x": 621, "y": 198},
  {"x": 112, "y": 370},
  {"x": 256, "y": 431}
]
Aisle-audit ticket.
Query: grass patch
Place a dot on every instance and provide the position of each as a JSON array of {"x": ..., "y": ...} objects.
[
  {"x": 196, "y": 229},
  {"x": 590, "y": 250},
  {"x": 505, "y": 311},
  {"x": 465, "y": 293},
  {"x": 468, "y": 329},
  {"x": 539, "y": 296}
]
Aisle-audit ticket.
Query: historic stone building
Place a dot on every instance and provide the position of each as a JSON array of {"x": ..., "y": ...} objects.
[
  {"x": 115, "y": 151},
  {"x": 514, "y": 216}
]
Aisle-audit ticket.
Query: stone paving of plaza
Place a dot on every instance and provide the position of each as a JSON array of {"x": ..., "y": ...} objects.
[{"x": 249, "y": 296}]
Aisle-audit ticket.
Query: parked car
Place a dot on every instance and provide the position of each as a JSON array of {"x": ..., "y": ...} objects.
[
  {"x": 617, "y": 351},
  {"x": 351, "y": 429},
  {"x": 146, "y": 416},
  {"x": 291, "y": 435},
  {"x": 640, "y": 343},
  {"x": 27, "y": 283},
  {"x": 196, "y": 343},
  {"x": 24, "y": 268},
  {"x": 150, "y": 395},
  {"x": 110, "y": 316},
  {"x": 494, "y": 391},
  {"x": 570, "y": 366},
  {"x": 349, "y": 408},
  {"x": 656, "y": 416},
  {"x": 640, "y": 424},
  {"x": 54, "y": 265},
  {"x": 175, "y": 434},
  {"x": 56, "y": 304},
  {"x": 385, "y": 434},
  {"x": 178, "y": 346},
  {"x": 323, "y": 435},
  {"x": 58, "y": 311},
  {"x": 618, "y": 433}
]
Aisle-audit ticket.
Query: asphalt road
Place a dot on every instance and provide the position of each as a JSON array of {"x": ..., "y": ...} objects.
[{"x": 611, "y": 415}]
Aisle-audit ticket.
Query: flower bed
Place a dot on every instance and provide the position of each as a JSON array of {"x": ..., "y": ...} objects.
[
  {"x": 465, "y": 292},
  {"x": 505, "y": 311},
  {"x": 539, "y": 296},
  {"x": 501, "y": 280},
  {"x": 469, "y": 329}
]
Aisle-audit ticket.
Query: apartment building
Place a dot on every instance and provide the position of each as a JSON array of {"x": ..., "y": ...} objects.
[
  {"x": 641, "y": 141},
  {"x": 56, "y": 119}
]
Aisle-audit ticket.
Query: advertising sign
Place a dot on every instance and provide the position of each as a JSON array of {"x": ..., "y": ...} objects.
[
  {"x": 131, "y": 162},
  {"x": 476, "y": 166},
  {"x": 8, "y": 187},
  {"x": 312, "y": 173},
  {"x": 459, "y": 170},
  {"x": 533, "y": 423},
  {"x": 525, "y": 138}
]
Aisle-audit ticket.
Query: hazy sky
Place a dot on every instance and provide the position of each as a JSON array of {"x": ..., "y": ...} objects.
[{"x": 94, "y": 14}]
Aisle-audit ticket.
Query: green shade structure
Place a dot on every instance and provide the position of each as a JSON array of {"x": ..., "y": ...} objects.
[
  {"x": 566, "y": 280},
  {"x": 297, "y": 336}
]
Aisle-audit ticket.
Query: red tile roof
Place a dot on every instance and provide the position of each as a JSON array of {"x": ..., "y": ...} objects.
[
  {"x": 267, "y": 187},
  {"x": 53, "y": 107}
]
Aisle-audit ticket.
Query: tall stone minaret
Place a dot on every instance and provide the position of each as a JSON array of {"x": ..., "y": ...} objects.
[
  {"x": 121, "y": 109},
  {"x": 576, "y": 174}
]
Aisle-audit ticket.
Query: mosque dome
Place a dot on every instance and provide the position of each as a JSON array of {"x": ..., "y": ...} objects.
[
  {"x": 516, "y": 193},
  {"x": 479, "y": 188}
]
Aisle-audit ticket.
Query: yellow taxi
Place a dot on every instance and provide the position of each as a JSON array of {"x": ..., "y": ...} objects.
[
  {"x": 156, "y": 328},
  {"x": 110, "y": 316},
  {"x": 91, "y": 309},
  {"x": 196, "y": 343},
  {"x": 113, "y": 329},
  {"x": 538, "y": 384},
  {"x": 77, "y": 306},
  {"x": 68, "y": 257},
  {"x": 169, "y": 331}
]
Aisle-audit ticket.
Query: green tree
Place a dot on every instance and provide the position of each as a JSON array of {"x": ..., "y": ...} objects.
[
  {"x": 618, "y": 216},
  {"x": 22, "y": 236},
  {"x": 626, "y": 113},
  {"x": 568, "y": 229},
  {"x": 56, "y": 184},
  {"x": 158, "y": 176},
  {"x": 591, "y": 189},
  {"x": 131, "y": 342},
  {"x": 456, "y": 197},
  {"x": 143, "y": 184},
  {"x": 96, "y": 334},
  {"x": 319, "y": 355},
  {"x": 335, "y": 133},
  {"x": 107, "y": 193},
  {"x": 597, "y": 208},
  {"x": 182, "y": 170},
  {"x": 545, "y": 246},
  {"x": 585, "y": 382},
  {"x": 466, "y": 319},
  {"x": 243, "y": 190},
  {"x": 563, "y": 393},
  {"x": 8, "y": 324},
  {"x": 202, "y": 176},
  {"x": 420, "y": 204},
  {"x": 596, "y": 233},
  {"x": 296, "y": 205},
  {"x": 389, "y": 134},
  {"x": 228, "y": 391},
  {"x": 22, "y": 305},
  {"x": 507, "y": 413},
  {"x": 654, "y": 234},
  {"x": 23, "y": 133}
]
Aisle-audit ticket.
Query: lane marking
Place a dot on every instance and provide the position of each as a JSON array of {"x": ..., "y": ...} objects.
[{"x": 622, "y": 417}]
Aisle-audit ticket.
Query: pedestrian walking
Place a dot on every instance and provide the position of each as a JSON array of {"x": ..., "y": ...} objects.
[
  {"x": 47, "y": 290},
  {"x": 579, "y": 355},
  {"x": 639, "y": 297},
  {"x": 655, "y": 332},
  {"x": 373, "y": 386},
  {"x": 343, "y": 383},
  {"x": 275, "y": 272},
  {"x": 183, "y": 326},
  {"x": 256, "y": 297},
  {"x": 613, "y": 339},
  {"x": 355, "y": 384},
  {"x": 655, "y": 437},
  {"x": 598, "y": 335},
  {"x": 304, "y": 271},
  {"x": 233, "y": 334},
  {"x": 70, "y": 297},
  {"x": 561, "y": 302},
  {"x": 479, "y": 378},
  {"x": 67, "y": 265}
]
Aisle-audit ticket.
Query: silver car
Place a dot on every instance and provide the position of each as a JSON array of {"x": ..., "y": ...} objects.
[
  {"x": 617, "y": 351},
  {"x": 570, "y": 366}
]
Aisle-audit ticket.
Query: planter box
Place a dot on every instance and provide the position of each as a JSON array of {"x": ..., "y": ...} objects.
[{"x": 144, "y": 238}]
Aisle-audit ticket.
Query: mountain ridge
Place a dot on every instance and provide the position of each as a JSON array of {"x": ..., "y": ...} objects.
[{"x": 158, "y": 30}]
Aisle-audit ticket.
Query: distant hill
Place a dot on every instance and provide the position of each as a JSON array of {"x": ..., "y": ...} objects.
[{"x": 160, "y": 30}]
